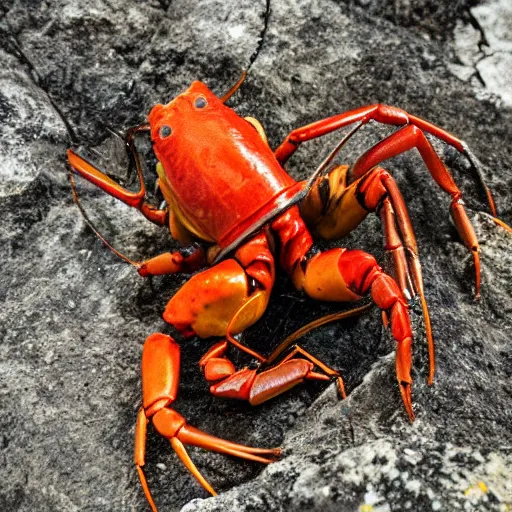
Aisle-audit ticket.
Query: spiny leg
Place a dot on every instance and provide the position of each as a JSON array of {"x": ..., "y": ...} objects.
[{"x": 411, "y": 137}]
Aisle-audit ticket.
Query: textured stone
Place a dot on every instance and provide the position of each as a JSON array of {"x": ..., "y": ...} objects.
[
  {"x": 483, "y": 49},
  {"x": 73, "y": 317}
]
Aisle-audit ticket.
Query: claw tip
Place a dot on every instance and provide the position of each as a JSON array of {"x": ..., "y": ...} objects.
[{"x": 405, "y": 391}]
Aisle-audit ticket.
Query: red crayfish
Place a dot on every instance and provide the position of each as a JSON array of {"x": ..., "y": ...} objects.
[{"x": 227, "y": 200}]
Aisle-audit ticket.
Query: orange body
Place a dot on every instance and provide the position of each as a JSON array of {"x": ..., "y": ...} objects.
[{"x": 220, "y": 172}]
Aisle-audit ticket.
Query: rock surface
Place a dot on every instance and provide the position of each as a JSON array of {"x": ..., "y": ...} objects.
[
  {"x": 74, "y": 317},
  {"x": 484, "y": 48}
]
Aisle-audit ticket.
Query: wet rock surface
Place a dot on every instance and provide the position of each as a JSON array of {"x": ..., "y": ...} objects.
[{"x": 74, "y": 318}]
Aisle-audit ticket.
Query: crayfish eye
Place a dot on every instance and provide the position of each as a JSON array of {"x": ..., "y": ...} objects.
[
  {"x": 165, "y": 131},
  {"x": 200, "y": 102}
]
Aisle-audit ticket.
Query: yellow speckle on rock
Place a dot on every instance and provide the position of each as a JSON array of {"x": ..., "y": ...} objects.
[
  {"x": 483, "y": 487},
  {"x": 366, "y": 508},
  {"x": 476, "y": 490}
]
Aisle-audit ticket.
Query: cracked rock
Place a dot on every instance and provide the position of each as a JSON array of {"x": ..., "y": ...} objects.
[
  {"x": 74, "y": 317},
  {"x": 484, "y": 48}
]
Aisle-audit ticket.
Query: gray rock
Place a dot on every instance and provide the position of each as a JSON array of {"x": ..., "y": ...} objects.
[
  {"x": 74, "y": 317},
  {"x": 483, "y": 49}
]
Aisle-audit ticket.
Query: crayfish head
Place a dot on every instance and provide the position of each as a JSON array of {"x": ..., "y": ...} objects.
[
  {"x": 181, "y": 129},
  {"x": 175, "y": 126}
]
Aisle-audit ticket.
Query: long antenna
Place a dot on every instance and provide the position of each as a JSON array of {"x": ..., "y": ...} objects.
[
  {"x": 327, "y": 319},
  {"x": 93, "y": 227},
  {"x": 234, "y": 88}
]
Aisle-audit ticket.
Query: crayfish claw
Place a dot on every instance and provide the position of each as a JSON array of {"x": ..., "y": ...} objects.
[
  {"x": 182, "y": 453},
  {"x": 405, "y": 391}
]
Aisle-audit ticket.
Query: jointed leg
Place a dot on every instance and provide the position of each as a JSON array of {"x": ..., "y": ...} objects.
[
  {"x": 393, "y": 246},
  {"x": 383, "y": 114},
  {"x": 160, "y": 379},
  {"x": 329, "y": 372},
  {"x": 258, "y": 386},
  {"x": 412, "y": 137},
  {"x": 188, "y": 259},
  {"x": 334, "y": 208},
  {"x": 342, "y": 275},
  {"x": 87, "y": 170},
  {"x": 378, "y": 189}
]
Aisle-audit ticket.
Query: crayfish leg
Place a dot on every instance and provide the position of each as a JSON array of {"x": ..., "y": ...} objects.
[
  {"x": 140, "y": 455},
  {"x": 410, "y": 137},
  {"x": 347, "y": 275},
  {"x": 334, "y": 208},
  {"x": 160, "y": 379}
]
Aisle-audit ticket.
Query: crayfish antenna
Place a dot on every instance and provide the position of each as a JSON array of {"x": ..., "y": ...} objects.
[
  {"x": 93, "y": 228},
  {"x": 299, "y": 333},
  {"x": 234, "y": 88}
]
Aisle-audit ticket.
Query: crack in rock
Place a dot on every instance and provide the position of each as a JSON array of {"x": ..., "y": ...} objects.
[
  {"x": 39, "y": 82},
  {"x": 484, "y": 48}
]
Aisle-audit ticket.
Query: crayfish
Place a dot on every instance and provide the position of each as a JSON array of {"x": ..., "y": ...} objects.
[{"x": 228, "y": 200}]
